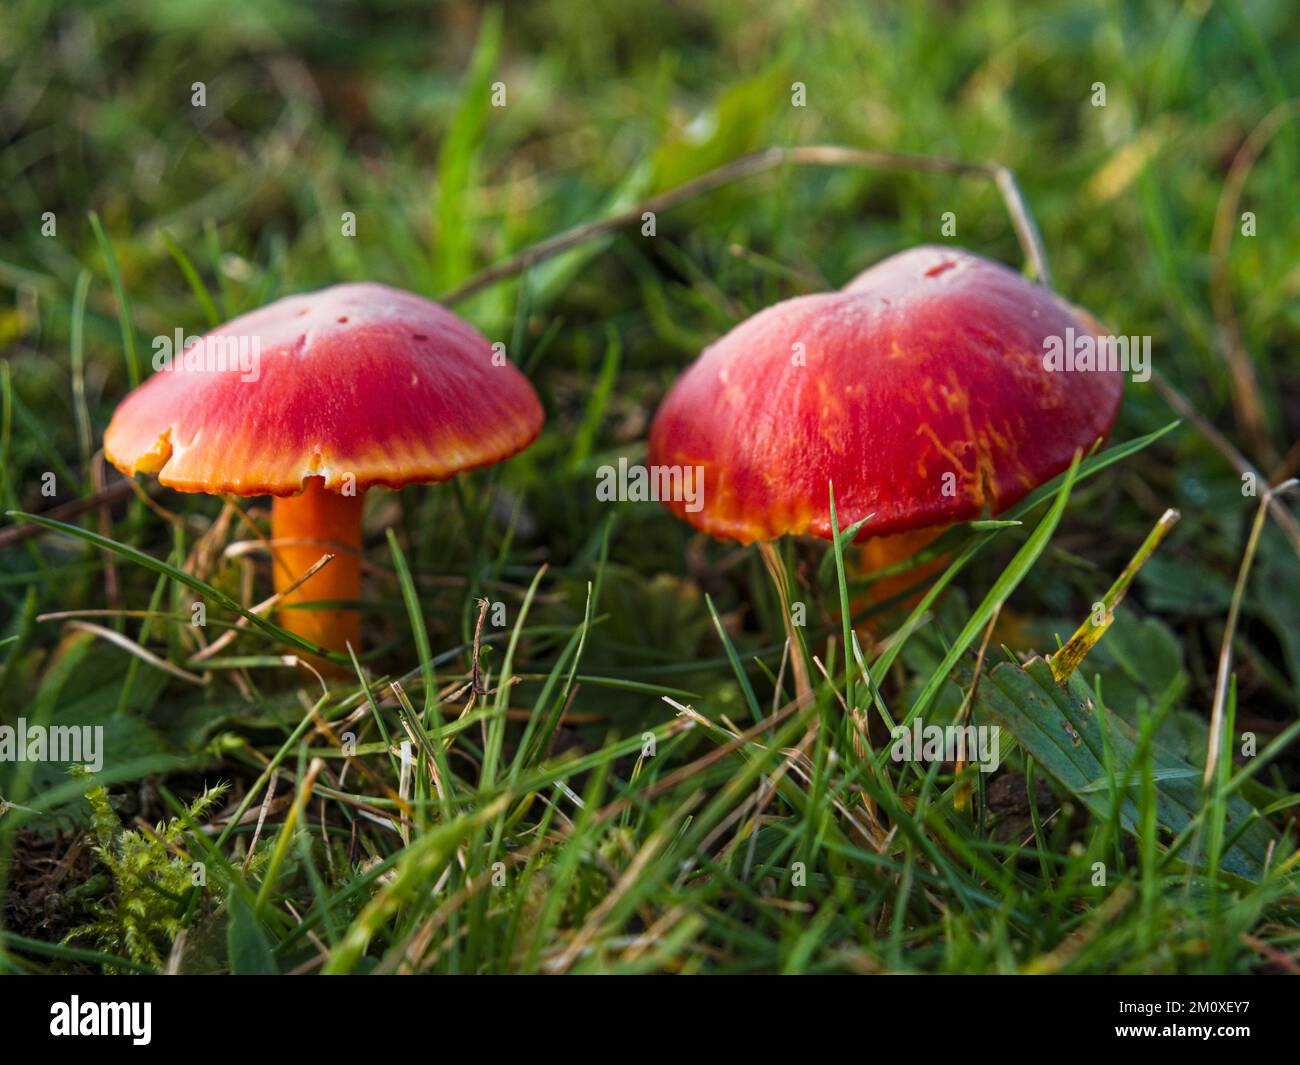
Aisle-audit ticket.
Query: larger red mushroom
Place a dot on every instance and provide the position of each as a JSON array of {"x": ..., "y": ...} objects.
[
  {"x": 920, "y": 390},
  {"x": 313, "y": 400}
]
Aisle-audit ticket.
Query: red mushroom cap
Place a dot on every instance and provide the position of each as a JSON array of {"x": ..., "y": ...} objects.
[
  {"x": 930, "y": 362},
  {"x": 361, "y": 380}
]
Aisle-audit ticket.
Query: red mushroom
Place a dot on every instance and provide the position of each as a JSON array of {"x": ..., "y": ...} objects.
[
  {"x": 314, "y": 399},
  {"x": 919, "y": 390}
]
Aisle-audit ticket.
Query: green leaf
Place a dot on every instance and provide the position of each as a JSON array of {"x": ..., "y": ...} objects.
[
  {"x": 1060, "y": 728},
  {"x": 1002, "y": 588},
  {"x": 123, "y": 303},
  {"x": 734, "y": 659},
  {"x": 1166, "y": 589},
  {"x": 734, "y": 126},
  {"x": 419, "y": 632},
  {"x": 846, "y": 615},
  {"x": 453, "y": 251},
  {"x": 192, "y": 277},
  {"x": 585, "y": 435},
  {"x": 247, "y": 942}
]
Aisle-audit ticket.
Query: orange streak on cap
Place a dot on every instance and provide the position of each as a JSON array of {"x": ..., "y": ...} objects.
[{"x": 929, "y": 363}]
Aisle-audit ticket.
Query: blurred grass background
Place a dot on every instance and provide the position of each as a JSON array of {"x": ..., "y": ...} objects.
[{"x": 385, "y": 111}]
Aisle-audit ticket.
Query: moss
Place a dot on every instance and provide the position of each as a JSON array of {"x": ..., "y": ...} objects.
[{"x": 154, "y": 881}]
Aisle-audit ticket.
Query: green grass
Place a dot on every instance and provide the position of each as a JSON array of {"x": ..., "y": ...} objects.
[{"x": 640, "y": 786}]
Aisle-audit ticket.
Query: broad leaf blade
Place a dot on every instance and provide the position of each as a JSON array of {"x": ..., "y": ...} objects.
[
  {"x": 247, "y": 943},
  {"x": 1059, "y": 728}
]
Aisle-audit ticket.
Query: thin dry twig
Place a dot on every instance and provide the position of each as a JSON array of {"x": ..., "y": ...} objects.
[
  {"x": 103, "y": 496},
  {"x": 98, "y": 473},
  {"x": 1183, "y": 407},
  {"x": 1247, "y": 406},
  {"x": 776, "y": 569},
  {"x": 267, "y": 799},
  {"x": 1065, "y": 661},
  {"x": 963, "y": 712},
  {"x": 1223, "y": 678},
  {"x": 229, "y": 635},
  {"x": 832, "y": 155},
  {"x": 130, "y": 646}
]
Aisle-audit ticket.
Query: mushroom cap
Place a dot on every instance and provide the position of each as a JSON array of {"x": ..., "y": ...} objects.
[
  {"x": 359, "y": 379},
  {"x": 929, "y": 363}
]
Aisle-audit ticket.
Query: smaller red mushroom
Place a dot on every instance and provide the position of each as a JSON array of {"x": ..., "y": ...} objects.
[
  {"x": 919, "y": 390},
  {"x": 313, "y": 400}
]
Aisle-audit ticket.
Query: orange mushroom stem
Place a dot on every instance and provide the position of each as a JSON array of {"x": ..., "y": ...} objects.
[
  {"x": 884, "y": 552},
  {"x": 303, "y": 528}
]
